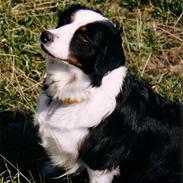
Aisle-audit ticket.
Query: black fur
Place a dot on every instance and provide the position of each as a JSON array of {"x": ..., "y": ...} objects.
[
  {"x": 142, "y": 136},
  {"x": 100, "y": 53}
]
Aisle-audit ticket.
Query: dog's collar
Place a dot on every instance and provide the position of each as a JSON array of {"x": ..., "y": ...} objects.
[
  {"x": 70, "y": 101},
  {"x": 64, "y": 100}
]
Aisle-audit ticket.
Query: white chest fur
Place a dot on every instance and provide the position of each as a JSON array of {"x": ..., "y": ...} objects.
[
  {"x": 62, "y": 143},
  {"x": 64, "y": 126}
]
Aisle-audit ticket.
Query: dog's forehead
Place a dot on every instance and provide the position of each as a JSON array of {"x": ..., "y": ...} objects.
[{"x": 84, "y": 17}]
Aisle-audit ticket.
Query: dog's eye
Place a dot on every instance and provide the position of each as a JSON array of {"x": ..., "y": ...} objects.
[{"x": 83, "y": 38}]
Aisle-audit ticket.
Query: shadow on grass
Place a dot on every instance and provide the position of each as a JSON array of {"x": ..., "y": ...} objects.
[{"x": 22, "y": 158}]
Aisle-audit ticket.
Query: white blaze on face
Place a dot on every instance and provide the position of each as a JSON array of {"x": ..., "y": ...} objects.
[{"x": 59, "y": 48}]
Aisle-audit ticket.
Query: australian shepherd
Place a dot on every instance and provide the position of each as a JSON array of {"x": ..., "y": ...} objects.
[{"x": 94, "y": 114}]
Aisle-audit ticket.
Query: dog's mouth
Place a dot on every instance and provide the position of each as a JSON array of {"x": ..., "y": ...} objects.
[
  {"x": 50, "y": 55},
  {"x": 71, "y": 59}
]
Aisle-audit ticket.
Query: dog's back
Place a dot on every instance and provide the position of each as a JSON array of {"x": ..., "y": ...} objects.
[{"x": 144, "y": 134}]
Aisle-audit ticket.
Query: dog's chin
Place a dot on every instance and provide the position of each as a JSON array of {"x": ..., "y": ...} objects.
[
  {"x": 52, "y": 57},
  {"x": 46, "y": 51}
]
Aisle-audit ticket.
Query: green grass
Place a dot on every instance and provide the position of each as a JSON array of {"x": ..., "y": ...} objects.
[
  {"x": 152, "y": 40},
  {"x": 152, "y": 34}
]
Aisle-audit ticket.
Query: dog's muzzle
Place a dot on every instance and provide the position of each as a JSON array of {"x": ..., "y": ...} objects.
[{"x": 46, "y": 38}]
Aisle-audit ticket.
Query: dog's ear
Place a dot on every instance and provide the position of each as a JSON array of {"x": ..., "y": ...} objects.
[{"x": 111, "y": 55}]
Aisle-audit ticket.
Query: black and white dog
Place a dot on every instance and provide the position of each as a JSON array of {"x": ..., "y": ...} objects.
[{"x": 93, "y": 114}]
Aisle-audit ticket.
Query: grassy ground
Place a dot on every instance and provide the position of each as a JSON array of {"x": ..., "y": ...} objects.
[{"x": 152, "y": 35}]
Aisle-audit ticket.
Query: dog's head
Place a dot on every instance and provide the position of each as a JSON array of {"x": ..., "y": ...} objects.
[{"x": 86, "y": 39}]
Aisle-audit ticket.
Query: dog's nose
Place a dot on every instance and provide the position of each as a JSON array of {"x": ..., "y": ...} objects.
[{"x": 46, "y": 37}]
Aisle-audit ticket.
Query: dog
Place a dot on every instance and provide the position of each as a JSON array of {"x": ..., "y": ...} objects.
[{"x": 94, "y": 115}]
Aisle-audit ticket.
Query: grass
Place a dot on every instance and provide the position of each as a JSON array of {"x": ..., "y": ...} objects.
[
  {"x": 152, "y": 40},
  {"x": 152, "y": 34}
]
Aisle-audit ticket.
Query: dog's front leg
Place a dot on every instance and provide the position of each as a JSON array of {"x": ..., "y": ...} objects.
[{"x": 103, "y": 176}]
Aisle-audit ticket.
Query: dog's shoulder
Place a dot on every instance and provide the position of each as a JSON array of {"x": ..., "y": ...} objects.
[{"x": 144, "y": 127}]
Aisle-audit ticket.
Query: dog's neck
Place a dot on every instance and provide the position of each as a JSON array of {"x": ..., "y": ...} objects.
[
  {"x": 70, "y": 85},
  {"x": 93, "y": 103},
  {"x": 66, "y": 82}
]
